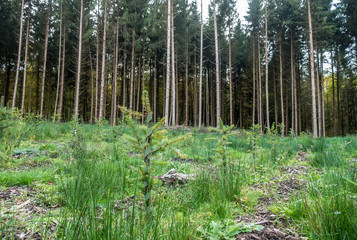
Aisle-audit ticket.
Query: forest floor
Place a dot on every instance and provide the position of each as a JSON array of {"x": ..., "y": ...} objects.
[{"x": 57, "y": 184}]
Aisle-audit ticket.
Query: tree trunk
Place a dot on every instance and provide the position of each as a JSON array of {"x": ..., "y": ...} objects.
[
  {"x": 155, "y": 83},
  {"x": 218, "y": 81},
  {"x": 201, "y": 71},
  {"x": 275, "y": 97},
  {"x": 25, "y": 64},
  {"x": 60, "y": 104},
  {"x": 195, "y": 120},
  {"x": 91, "y": 87},
  {"x": 207, "y": 98},
  {"x": 266, "y": 64},
  {"x": 230, "y": 78},
  {"x": 333, "y": 95},
  {"x": 102, "y": 81},
  {"x": 168, "y": 59},
  {"x": 186, "y": 80},
  {"x": 260, "y": 112},
  {"x": 18, "y": 56},
  {"x": 59, "y": 63},
  {"x": 79, "y": 61},
  {"x": 293, "y": 127},
  {"x": 97, "y": 71},
  {"x": 124, "y": 78},
  {"x": 254, "y": 80},
  {"x": 30, "y": 92},
  {"x": 138, "y": 85},
  {"x": 312, "y": 69},
  {"x": 173, "y": 90},
  {"x": 44, "y": 62},
  {"x": 322, "y": 95},
  {"x": 114, "y": 92},
  {"x": 319, "y": 122},
  {"x": 281, "y": 86}
]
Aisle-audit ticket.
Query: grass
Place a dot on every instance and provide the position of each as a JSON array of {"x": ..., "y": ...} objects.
[{"x": 93, "y": 180}]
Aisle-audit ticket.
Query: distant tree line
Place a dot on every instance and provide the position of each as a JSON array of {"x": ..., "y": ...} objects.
[{"x": 292, "y": 65}]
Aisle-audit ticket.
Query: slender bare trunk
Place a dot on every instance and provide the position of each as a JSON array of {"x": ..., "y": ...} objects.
[
  {"x": 194, "y": 88},
  {"x": 114, "y": 93},
  {"x": 230, "y": 79},
  {"x": 281, "y": 86},
  {"x": 260, "y": 112},
  {"x": 79, "y": 61},
  {"x": 18, "y": 56},
  {"x": 124, "y": 78},
  {"x": 201, "y": 71},
  {"x": 167, "y": 98},
  {"x": 155, "y": 83},
  {"x": 293, "y": 127},
  {"x": 97, "y": 71},
  {"x": 218, "y": 81},
  {"x": 102, "y": 81},
  {"x": 91, "y": 86},
  {"x": 254, "y": 80},
  {"x": 25, "y": 64},
  {"x": 30, "y": 92},
  {"x": 275, "y": 97},
  {"x": 59, "y": 63},
  {"x": 186, "y": 80},
  {"x": 132, "y": 71},
  {"x": 207, "y": 99},
  {"x": 44, "y": 62},
  {"x": 138, "y": 85},
  {"x": 173, "y": 90},
  {"x": 266, "y": 64},
  {"x": 333, "y": 95},
  {"x": 60, "y": 104},
  {"x": 319, "y": 116},
  {"x": 322, "y": 86},
  {"x": 312, "y": 69}
]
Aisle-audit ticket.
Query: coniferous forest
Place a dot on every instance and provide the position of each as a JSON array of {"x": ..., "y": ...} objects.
[{"x": 152, "y": 119}]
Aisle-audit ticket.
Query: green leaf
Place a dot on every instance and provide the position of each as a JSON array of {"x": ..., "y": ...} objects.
[{"x": 148, "y": 118}]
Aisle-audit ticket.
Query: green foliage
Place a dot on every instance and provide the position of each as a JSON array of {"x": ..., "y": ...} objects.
[
  {"x": 222, "y": 144},
  {"x": 12, "y": 131},
  {"x": 227, "y": 229},
  {"x": 253, "y": 137},
  {"x": 148, "y": 140}
]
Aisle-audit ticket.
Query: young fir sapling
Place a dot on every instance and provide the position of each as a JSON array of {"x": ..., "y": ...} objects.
[{"x": 148, "y": 139}]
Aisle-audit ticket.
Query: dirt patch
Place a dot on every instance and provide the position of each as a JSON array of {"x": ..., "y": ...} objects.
[
  {"x": 19, "y": 206},
  {"x": 297, "y": 169},
  {"x": 302, "y": 156},
  {"x": 273, "y": 227}
]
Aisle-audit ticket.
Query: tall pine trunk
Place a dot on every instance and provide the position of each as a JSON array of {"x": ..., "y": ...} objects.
[
  {"x": 281, "y": 86},
  {"x": 102, "y": 81},
  {"x": 168, "y": 59},
  {"x": 60, "y": 104},
  {"x": 312, "y": 70},
  {"x": 266, "y": 65},
  {"x": 18, "y": 57},
  {"x": 186, "y": 80},
  {"x": 91, "y": 87},
  {"x": 230, "y": 78},
  {"x": 44, "y": 62},
  {"x": 218, "y": 81},
  {"x": 25, "y": 65},
  {"x": 201, "y": 71},
  {"x": 173, "y": 90},
  {"x": 59, "y": 63},
  {"x": 114, "y": 92},
  {"x": 254, "y": 74},
  {"x": 79, "y": 61}
]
